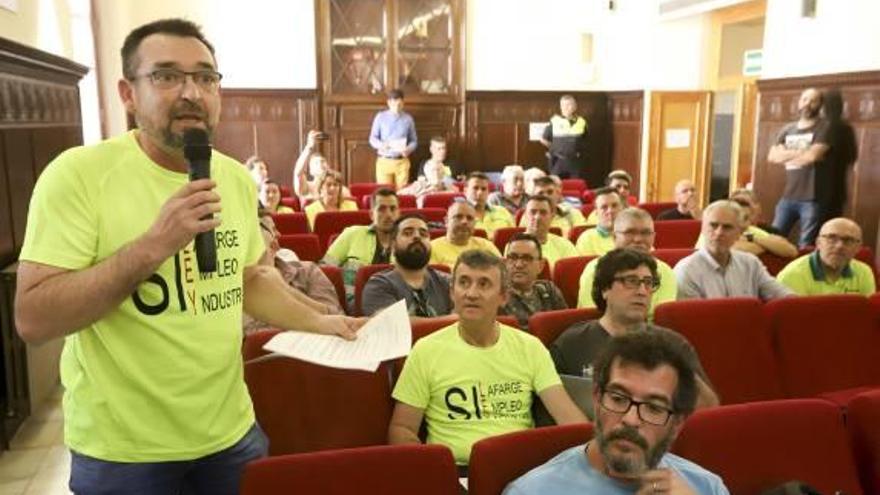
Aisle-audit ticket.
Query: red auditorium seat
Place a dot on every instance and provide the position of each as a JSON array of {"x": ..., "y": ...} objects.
[
  {"x": 435, "y": 215},
  {"x": 874, "y": 302},
  {"x": 328, "y": 223},
  {"x": 656, "y": 208},
  {"x": 824, "y": 344},
  {"x": 304, "y": 407},
  {"x": 387, "y": 469},
  {"x": 403, "y": 201},
  {"x": 567, "y": 276},
  {"x": 440, "y": 200},
  {"x": 671, "y": 256},
  {"x": 291, "y": 223},
  {"x": 733, "y": 339},
  {"x": 579, "y": 185},
  {"x": 548, "y": 325},
  {"x": 576, "y": 232},
  {"x": 863, "y": 424},
  {"x": 760, "y": 445},
  {"x": 361, "y": 189},
  {"x": 588, "y": 196},
  {"x": 252, "y": 347},
  {"x": 496, "y": 461},
  {"x": 774, "y": 263},
  {"x": 286, "y": 191},
  {"x": 676, "y": 234},
  {"x": 334, "y": 273},
  {"x": 291, "y": 202},
  {"x": 571, "y": 193},
  {"x": 306, "y": 246},
  {"x": 503, "y": 236},
  {"x": 587, "y": 209}
]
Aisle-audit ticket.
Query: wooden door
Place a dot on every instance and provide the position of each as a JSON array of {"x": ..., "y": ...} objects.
[
  {"x": 680, "y": 132},
  {"x": 742, "y": 164}
]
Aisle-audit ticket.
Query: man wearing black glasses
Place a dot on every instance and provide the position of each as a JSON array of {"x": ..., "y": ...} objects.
[
  {"x": 624, "y": 283},
  {"x": 645, "y": 388},
  {"x": 528, "y": 294}
]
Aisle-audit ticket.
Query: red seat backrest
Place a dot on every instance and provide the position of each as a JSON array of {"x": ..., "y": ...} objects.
[
  {"x": 304, "y": 407},
  {"x": 328, "y": 223},
  {"x": 440, "y": 200},
  {"x": 360, "y": 280},
  {"x": 656, "y": 208},
  {"x": 567, "y": 276},
  {"x": 576, "y": 232},
  {"x": 862, "y": 422},
  {"x": 403, "y": 201},
  {"x": 671, "y": 256},
  {"x": 252, "y": 346},
  {"x": 360, "y": 189},
  {"x": 286, "y": 191},
  {"x": 334, "y": 273},
  {"x": 291, "y": 223},
  {"x": 548, "y": 325},
  {"x": 292, "y": 202},
  {"x": 579, "y": 185},
  {"x": 676, "y": 234},
  {"x": 733, "y": 340},
  {"x": 774, "y": 263},
  {"x": 306, "y": 246},
  {"x": 824, "y": 343},
  {"x": 503, "y": 235},
  {"x": 423, "y": 469},
  {"x": 759, "y": 445},
  {"x": 496, "y": 461}
]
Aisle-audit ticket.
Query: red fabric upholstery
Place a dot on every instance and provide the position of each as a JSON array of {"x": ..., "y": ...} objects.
[
  {"x": 440, "y": 200},
  {"x": 576, "y": 232},
  {"x": 360, "y": 189},
  {"x": 586, "y": 209},
  {"x": 548, "y": 325},
  {"x": 774, "y": 263},
  {"x": 671, "y": 256},
  {"x": 291, "y": 223},
  {"x": 571, "y": 193},
  {"x": 864, "y": 432},
  {"x": 403, "y": 201},
  {"x": 392, "y": 470},
  {"x": 504, "y": 234},
  {"x": 286, "y": 191},
  {"x": 843, "y": 397},
  {"x": 496, "y": 461},
  {"x": 732, "y": 337},
  {"x": 334, "y": 273},
  {"x": 252, "y": 347},
  {"x": 328, "y": 223},
  {"x": 437, "y": 215},
  {"x": 567, "y": 276},
  {"x": 824, "y": 343},
  {"x": 292, "y": 202},
  {"x": 579, "y": 185},
  {"x": 588, "y": 196},
  {"x": 426, "y": 326},
  {"x": 676, "y": 234},
  {"x": 304, "y": 407},
  {"x": 656, "y": 208},
  {"x": 759, "y": 445},
  {"x": 360, "y": 280},
  {"x": 874, "y": 302},
  {"x": 306, "y": 246}
]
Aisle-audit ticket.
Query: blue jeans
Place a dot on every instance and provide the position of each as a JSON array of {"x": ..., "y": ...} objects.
[
  {"x": 219, "y": 473},
  {"x": 789, "y": 211}
]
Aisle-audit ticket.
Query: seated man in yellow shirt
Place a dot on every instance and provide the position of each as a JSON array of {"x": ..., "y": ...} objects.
[
  {"x": 565, "y": 216},
  {"x": 489, "y": 218},
  {"x": 537, "y": 220},
  {"x": 476, "y": 378},
  {"x": 831, "y": 268},
  {"x": 460, "y": 220},
  {"x": 633, "y": 229},
  {"x": 599, "y": 240}
]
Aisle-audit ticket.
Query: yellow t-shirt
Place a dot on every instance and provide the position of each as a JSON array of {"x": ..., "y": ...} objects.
[
  {"x": 565, "y": 218},
  {"x": 667, "y": 292},
  {"x": 444, "y": 252},
  {"x": 159, "y": 377},
  {"x": 469, "y": 393},
  {"x": 316, "y": 207},
  {"x": 806, "y": 277},
  {"x": 495, "y": 217},
  {"x": 556, "y": 248},
  {"x": 593, "y": 243}
]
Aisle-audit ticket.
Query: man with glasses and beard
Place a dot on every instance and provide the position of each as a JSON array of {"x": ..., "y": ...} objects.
[
  {"x": 645, "y": 388},
  {"x": 801, "y": 148},
  {"x": 426, "y": 290}
]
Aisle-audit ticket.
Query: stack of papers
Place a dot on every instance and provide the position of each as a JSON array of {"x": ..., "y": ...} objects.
[{"x": 387, "y": 335}]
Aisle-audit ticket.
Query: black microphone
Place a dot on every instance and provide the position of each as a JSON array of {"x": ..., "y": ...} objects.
[{"x": 197, "y": 151}]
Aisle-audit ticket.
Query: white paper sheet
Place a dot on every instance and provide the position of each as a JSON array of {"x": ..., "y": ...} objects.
[
  {"x": 397, "y": 145},
  {"x": 536, "y": 130},
  {"x": 387, "y": 335}
]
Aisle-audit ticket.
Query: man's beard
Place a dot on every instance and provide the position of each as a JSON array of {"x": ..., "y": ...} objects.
[
  {"x": 174, "y": 140},
  {"x": 809, "y": 112},
  {"x": 413, "y": 257},
  {"x": 626, "y": 465}
]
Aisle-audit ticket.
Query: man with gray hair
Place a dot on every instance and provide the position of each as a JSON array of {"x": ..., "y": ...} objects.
[
  {"x": 512, "y": 195},
  {"x": 716, "y": 270}
]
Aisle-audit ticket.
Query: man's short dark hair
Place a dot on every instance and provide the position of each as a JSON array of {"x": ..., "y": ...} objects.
[
  {"x": 403, "y": 218},
  {"x": 616, "y": 261},
  {"x": 382, "y": 192},
  {"x": 477, "y": 175},
  {"x": 395, "y": 94},
  {"x": 541, "y": 197},
  {"x": 651, "y": 349},
  {"x": 438, "y": 139},
  {"x": 482, "y": 260},
  {"x": 176, "y": 27},
  {"x": 619, "y": 174},
  {"x": 602, "y": 191},
  {"x": 525, "y": 236},
  {"x": 544, "y": 181}
]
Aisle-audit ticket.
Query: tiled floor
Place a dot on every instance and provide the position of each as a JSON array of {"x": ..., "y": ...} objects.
[{"x": 38, "y": 462}]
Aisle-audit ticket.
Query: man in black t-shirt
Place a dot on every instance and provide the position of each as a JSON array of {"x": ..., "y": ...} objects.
[
  {"x": 686, "y": 203},
  {"x": 801, "y": 148}
]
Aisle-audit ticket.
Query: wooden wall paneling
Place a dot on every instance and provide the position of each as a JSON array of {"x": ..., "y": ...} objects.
[
  {"x": 19, "y": 154},
  {"x": 625, "y": 115},
  {"x": 7, "y": 238},
  {"x": 777, "y": 106},
  {"x": 281, "y": 119}
]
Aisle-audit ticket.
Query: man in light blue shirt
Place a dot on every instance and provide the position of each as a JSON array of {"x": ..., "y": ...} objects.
[
  {"x": 393, "y": 136},
  {"x": 644, "y": 389}
]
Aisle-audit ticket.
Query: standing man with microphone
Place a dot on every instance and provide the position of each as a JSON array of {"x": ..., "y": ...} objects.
[{"x": 154, "y": 398}]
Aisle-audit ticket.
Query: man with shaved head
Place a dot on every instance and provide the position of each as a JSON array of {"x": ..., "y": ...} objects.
[
  {"x": 686, "y": 206},
  {"x": 461, "y": 219},
  {"x": 831, "y": 269},
  {"x": 801, "y": 148}
]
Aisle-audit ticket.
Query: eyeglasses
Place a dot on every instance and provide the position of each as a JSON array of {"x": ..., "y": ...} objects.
[
  {"x": 649, "y": 412},
  {"x": 634, "y": 281},
  {"x": 843, "y": 239},
  {"x": 635, "y": 233},
  {"x": 525, "y": 258},
  {"x": 168, "y": 78}
]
